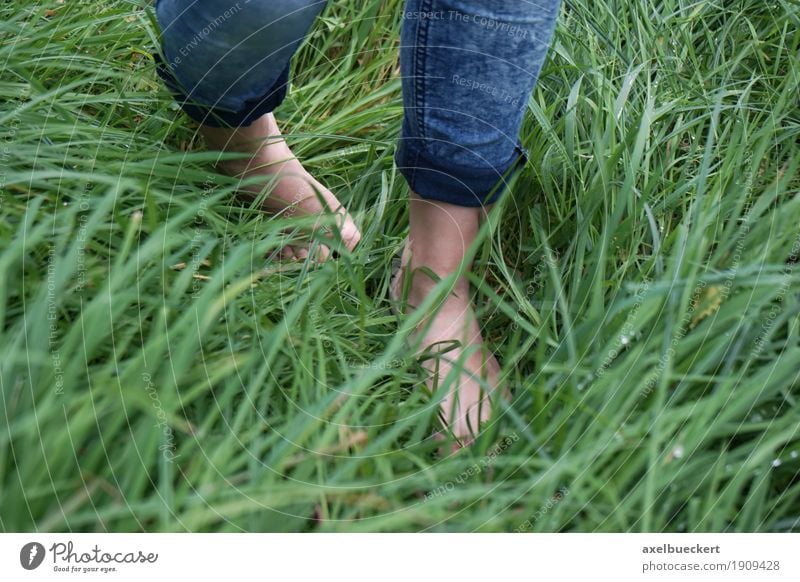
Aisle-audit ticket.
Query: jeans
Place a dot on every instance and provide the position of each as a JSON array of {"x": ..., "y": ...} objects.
[{"x": 468, "y": 68}]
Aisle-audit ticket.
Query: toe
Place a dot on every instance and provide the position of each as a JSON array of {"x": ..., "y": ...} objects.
[
  {"x": 322, "y": 253},
  {"x": 286, "y": 253}
]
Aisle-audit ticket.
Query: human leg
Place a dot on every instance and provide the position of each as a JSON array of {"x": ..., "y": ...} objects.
[
  {"x": 468, "y": 70},
  {"x": 227, "y": 63}
]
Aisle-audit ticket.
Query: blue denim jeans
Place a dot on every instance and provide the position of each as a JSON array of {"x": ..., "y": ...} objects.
[{"x": 468, "y": 68}]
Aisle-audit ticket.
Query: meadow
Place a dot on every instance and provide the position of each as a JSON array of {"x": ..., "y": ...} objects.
[{"x": 640, "y": 289}]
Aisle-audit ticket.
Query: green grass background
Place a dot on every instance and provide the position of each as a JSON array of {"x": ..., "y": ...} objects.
[{"x": 640, "y": 289}]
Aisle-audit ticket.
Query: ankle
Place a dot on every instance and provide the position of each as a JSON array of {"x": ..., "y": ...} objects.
[{"x": 421, "y": 285}]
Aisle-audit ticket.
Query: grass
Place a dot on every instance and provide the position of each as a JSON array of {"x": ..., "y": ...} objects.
[{"x": 640, "y": 290}]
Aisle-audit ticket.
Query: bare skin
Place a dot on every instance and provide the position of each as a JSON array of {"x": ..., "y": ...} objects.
[
  {"x": 294, "y": 192},
  {"x": 439, "y": 237}
]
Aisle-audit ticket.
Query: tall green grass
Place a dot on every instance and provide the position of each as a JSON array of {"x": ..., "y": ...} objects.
[{"x": 640, "y": 290}]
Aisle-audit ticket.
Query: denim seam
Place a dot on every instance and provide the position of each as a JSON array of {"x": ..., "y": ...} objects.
[
  {"x": 420, "y": 63},
  {"x": 420, "y": 42}
]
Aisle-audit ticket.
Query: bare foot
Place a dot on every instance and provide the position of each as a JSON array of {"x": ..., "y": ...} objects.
[
  {"x": 292, "y": 191},
  {"x": 449, "y": 338}
]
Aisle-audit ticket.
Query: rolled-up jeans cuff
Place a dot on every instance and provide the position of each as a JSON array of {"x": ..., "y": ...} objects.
[
  {"x": 434, "y": 179},
  {"x": 218, "y": 116}
]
